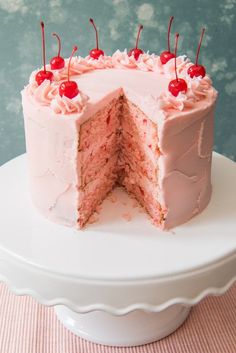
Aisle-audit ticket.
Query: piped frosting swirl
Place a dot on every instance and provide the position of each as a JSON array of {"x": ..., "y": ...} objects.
[
  {"x": 47, "y": 93},
  {"x": 198, "y": 89},
  {"x": 43, "y": 93},
  {"x": 64, "y": 105}
]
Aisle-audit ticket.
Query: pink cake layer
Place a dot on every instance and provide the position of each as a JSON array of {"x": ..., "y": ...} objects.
[
  {"x": 95, "y": 191},
  {"x": 168, "y": 156},
  {"x": 140, "y": 176},
  {"x": 139, "y": 141},
  {"x": 98, "y": 141},
  {"x": 98, "y": 158}
]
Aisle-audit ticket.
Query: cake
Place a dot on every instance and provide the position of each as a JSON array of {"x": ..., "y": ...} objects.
[{"x": 123, "y": 127}]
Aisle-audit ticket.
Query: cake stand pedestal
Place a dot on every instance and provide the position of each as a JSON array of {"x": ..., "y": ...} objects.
[{"x": 121, "y": 281}]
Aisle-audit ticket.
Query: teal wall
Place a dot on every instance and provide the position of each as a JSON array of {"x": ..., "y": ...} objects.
[{"x": 20, "y": 48}]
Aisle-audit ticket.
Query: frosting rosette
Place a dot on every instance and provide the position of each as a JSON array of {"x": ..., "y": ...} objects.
[
  {"x": 198, "y": 88},
  {"x": 47, "y": 93},
  {"x": 145, "y": 62},
  {"x": 103, "y": 62},
  {"x": 167, "y": 102},
  {"x": 78, "y": 66},
  {"x": 182, "y": 63},
  {"x": 121, "y": 59},
  {"x": 149, "y": 62},
  {"x": 43, "y": 93},
  {"x": 64, "y": 105}
]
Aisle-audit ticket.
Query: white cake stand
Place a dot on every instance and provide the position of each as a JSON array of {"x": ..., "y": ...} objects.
[{"x": 118, "y": 282}]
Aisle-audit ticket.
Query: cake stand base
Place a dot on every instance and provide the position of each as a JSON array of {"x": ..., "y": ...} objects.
[
  {"x": 118, "y": 282},
  {"x": 134, "y": 329}
]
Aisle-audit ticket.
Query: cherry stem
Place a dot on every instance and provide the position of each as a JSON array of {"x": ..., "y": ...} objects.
[
  {"x": 96, "y": 31},
  {"x": 138, "y": 35},
  {"x": 59, "y": 43},
  {"x": 72, "y": 53},
  {"x": 199, "y": 45},
  {"x": 43, "y": 45},
  {"x": 176, "y": 46},
  {"x": 168, "y": 34}
]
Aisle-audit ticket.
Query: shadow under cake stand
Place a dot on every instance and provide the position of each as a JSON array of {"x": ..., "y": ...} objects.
[{"x": 121, "y": 281}]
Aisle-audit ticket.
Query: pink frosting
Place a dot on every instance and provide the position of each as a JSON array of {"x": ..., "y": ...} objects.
[
  {"x": 145, "y": 62},
  {"x": 64, "y": 105},
  {"x": 122, "y": 60},
  {"x": 78, "y": 66},
  {"x": 182, "y": 64},
  {"x": 47, "y": 94},
  {"x": 149, "y": 63},
  {"x": 198, "y": 88},
  {"x": 44, "y": 93},
  {"x": 103, "y": 62}
]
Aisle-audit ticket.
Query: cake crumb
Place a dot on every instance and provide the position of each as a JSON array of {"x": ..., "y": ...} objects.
[
  {"x": 135, "y": 204},
  {"x": 98, "y": 208},
  {"x": 94, "y": 218},
  {"x": 127, "y": 216},
  {"x": 141, "y": 210},
  {"x": 113, "y": 198}
]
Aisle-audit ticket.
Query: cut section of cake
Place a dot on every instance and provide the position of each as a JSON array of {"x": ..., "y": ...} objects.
[
  {"x": 124, "y": 128},
  {"x": 99, "y": 149},
  {"x": 139, "y": 159}
]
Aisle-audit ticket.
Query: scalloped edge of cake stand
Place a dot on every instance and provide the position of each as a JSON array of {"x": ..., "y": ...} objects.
[
  {"x": 141, "y": 324},
  {"x": 136, "y": 328}
]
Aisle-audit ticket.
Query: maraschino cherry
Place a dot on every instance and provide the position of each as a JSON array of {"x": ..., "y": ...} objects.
[
  {"x": 57, "y": 62},
  {"x": 167, "y": 55},
  {"x": 96, "y": 52},
  {"x": 69, "y": 88},
  {"x": 196, "y": 69},
  {"x": 178, "y": 85},
  {"x": 136, "y": 52},
  {"x": 43, "y": 74}
]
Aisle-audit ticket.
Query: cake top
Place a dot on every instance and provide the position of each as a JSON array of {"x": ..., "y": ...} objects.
[{"x": 170, "y": 83}]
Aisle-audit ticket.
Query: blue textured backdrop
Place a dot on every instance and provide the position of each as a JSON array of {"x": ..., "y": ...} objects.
[{"x": 20, "y": 48}]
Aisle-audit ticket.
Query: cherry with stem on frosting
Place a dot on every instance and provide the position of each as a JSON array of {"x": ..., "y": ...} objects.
[
  {"x": 57, "y": 62},
  {"x": 69, "y": 88},
  {"x": 178, "y": 85},
  {"x": 136, "y": 52},
  {"x": 197, "y": 70},
  {"x": 43, "y": 74},
  {"x": 167, "y": 55},
  {"x": 96, "y": 52}
]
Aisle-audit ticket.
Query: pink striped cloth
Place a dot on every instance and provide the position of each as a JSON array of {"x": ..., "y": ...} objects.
[{"x": 28, "y": 327}]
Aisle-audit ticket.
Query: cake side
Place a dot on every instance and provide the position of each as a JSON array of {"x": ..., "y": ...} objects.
[
  {"x": 185, "y": 167},
  {"x": 51, "y": 146}
]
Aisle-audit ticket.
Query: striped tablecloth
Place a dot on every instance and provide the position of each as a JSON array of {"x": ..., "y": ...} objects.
[{"x": 28, "y": 327}]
